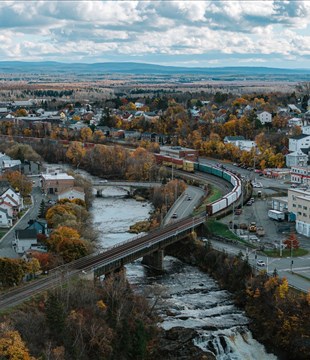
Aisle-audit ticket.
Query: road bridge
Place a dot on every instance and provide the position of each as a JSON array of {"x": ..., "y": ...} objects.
[{"x": 100, "y": 185}]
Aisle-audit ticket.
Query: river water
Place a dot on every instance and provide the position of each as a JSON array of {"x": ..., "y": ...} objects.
[{"x": 185, "y": 296}]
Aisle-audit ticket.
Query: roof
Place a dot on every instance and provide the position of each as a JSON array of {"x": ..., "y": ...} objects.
[
  {"x": 26, "y": 234},
  {"x": 4, "y": 186},
  {"x": 299, "y": 137},
  {"x": 5, "y": 211},
  {"x": 57, "y": 176},
  {"x": 76, "y": 189},
  {"x": 234, "y": 138}
]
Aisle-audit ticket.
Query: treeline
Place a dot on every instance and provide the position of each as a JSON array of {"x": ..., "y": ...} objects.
[
  {"x": 279, "y": 316},
  {"x": 81, "y": 320}
]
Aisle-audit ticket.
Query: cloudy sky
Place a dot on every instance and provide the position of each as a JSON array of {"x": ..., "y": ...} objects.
[{"x": 182, "y": 33}]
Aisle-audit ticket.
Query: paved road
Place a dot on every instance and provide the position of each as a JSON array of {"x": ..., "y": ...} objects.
[
  {"x": 282, "y": 265},
  {"x": 6, "y": 249},
  {"x": 185, "y": 204}
]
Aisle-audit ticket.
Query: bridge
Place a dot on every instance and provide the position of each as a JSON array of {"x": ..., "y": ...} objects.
[
  {"x": 101, "y": 184},
  {"x": 150, "y": 247}
]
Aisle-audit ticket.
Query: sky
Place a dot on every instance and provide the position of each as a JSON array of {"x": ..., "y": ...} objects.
[{"x": 177, "y": 33}]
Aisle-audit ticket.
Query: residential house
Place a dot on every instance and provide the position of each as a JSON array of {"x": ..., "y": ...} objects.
[
  {"x": 299, "y": 208},
  {"x": 2, "y": 158},
  {"x": 296, "y": 158},
  {"x": 233, "y": 139},
  {"x": 40, "y": 226},
  {"x": 264, "y": 117},
  {"x": 31, "y": 167},
  {"x": 11, "y": 165},
  {"x": 6, "y": 220},
  {"x": 7, "y": 194},
  {"x": 295, "y": 121},
  {"x": 73, "y": 193},
  {"x": 298, "y": 142},
  {"x": 293, "y": 109},
  {"x": 55, "y": 183},
  {"x": 24, "y": 240}
]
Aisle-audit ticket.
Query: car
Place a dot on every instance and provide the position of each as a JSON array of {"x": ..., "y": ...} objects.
[
  {"x": 103, "y": 181},
  {"x": 174, "y": 216},
  {"x": 238, "y": 211},
  {"x": 189, "y": 198},
  {"x": 260, "y": 263},
  {"x": 249, "y": 203},
  {"x": 294, "y": 186},
  {"x": 252, "y": 199}
]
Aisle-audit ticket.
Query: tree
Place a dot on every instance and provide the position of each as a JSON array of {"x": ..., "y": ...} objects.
[
  {"x": 19, "y": 182},
  {"x": 75, "y": 153},
  {"x": 23, "y": 152},
  {"x": 12, "y": 346},
  {"x": 12, "y": 271},
  {"x": 291, "y": 242}
]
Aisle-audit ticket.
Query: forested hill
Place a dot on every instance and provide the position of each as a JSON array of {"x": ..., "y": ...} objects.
[{"x": 11, "y": 67}]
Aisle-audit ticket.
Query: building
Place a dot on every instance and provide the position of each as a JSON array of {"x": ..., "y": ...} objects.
[
  {"x": 56, "y": 183},
  {"x": 300, "y": 174},
  {"x": 6, "y": 220},
  {"x": 71, "y": 194},
  {"x": 24, "y": 240},
  {"x": 296, "y": 143},
  {"x": 264, "y": 117},
  {"x": 180, "y": 152},
  {"x": 296, "y": 158},
  {"x": 279, "y": 203},
  {"x": 299, "y": 209}
]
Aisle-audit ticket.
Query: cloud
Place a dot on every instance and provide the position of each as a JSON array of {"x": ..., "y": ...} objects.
[{"x": 94, "y": 30}]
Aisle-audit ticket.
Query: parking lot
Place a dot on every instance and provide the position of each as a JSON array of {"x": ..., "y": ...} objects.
[{"x": 257, "y": 212}]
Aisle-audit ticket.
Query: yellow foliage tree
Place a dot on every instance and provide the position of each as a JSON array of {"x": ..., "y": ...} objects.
[
  {"x": 12, "y": 346},
  {"x": 75, "y": 153}
]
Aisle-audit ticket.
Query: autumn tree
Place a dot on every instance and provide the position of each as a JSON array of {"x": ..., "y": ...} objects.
[
  {"x": 75, "y": 153},
  {"x": 66, "y": 242},
  {"x": 291, "y": 242},
  {"x": 12, "y": 271},
  {"x": 19, "y": 182},
  {"x": 12, "y": 347},
  {"x": 141, "y": 165}
]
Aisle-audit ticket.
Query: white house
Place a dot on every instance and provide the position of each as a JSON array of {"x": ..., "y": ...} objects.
[
  {"x": 24, "y": 240},
  {"x": 296, "y": 158},
  {"x": 264, "y": 117},
  {"x": 73, "y": 193},
  {"x": 298, "y": 142},
  {"x": 6, "y": 221},
  {"x": 295, "y": 122}
]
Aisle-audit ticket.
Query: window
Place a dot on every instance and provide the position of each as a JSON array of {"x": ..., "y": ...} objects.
[
  {"x": 305, "y": 208},
  {"x": 299, "y": 206},
  {"x": 294, "y": 205},
  {"x": 299, "y": 213}
]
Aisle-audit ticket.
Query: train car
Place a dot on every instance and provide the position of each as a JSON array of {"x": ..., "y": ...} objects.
[
  {"x": 188, "y": 166},
  {"x": 216, "y": 206},
  {"x": 227, "y": 176},
  {"x": 177, "y": 163},
  {"x": 217, "y": 172}
]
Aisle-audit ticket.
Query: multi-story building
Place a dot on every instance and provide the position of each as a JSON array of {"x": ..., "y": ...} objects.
[
  {"x": 55, "y": 183},
  {"x": 300, "y": 174},
  {"x": 296, "y": 158},
  {"x": 299, "y": 206},
  {"x": 264, "y": 117}
]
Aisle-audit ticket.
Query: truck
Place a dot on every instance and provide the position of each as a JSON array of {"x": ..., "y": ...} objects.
[
  {"x": 276, "y": 215},
  {"x": 252, "y": 227},
  {"x": 260, "y": 231}
]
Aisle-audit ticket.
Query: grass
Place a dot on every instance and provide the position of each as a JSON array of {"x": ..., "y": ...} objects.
[
  {"x": 215, "y": 194},
  {"x": 286, "y": 252},
  {"x": 2, "y": 233},
  {"x": 219, "y": 229}
]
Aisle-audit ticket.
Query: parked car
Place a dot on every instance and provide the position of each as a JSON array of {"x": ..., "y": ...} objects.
[
  {"x": 260, "y": 263},
  {"x": 174, "y": 216},
  {"x": 238, "y": 211}
]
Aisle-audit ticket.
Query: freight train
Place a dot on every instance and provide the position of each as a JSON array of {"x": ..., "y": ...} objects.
[{"x": 189, "y": 166}]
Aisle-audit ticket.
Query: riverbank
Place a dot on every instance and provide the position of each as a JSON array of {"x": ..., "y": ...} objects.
[{"x": 273, "y": 309}]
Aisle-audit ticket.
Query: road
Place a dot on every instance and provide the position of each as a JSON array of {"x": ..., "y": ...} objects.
[
  {"x": 282, "y": 265},
  {"x": 6, "y": 249},
  {"x": 185, "y": 204}
]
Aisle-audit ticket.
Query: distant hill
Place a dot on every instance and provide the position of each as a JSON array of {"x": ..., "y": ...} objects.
[{"x": 49, "y": 67}]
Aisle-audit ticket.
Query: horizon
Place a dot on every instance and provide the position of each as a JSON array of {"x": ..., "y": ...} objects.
[
  {"x": 152, "y": 64},
  {"x": 191, "y": 34}
]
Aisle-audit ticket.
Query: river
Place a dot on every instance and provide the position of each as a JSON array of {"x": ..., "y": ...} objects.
[{"x": 186, "y": 296}]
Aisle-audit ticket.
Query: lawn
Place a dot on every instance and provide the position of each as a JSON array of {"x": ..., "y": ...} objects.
[
  {"x": 2, "y": 233},
  {"x": 219, "y": 229},
  {"x": 215, "y": 194},
  {"x": 286, "y": 252}
]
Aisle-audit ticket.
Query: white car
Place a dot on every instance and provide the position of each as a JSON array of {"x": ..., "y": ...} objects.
[{"x": 260, "y": 263}]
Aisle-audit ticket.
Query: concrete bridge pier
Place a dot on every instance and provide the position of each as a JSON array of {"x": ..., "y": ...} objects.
[
  {"x": 154, "y": 260},
  {"x": 99, "y": 193}
]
